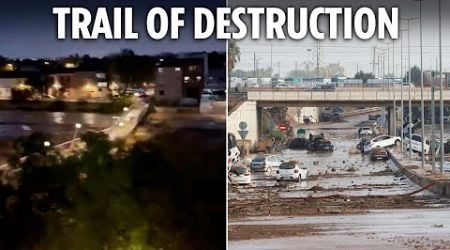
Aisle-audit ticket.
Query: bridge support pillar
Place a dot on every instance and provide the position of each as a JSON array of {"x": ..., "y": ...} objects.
[
  {"x": 259, "y": 119},
  {"x": 390, "y": 121}
]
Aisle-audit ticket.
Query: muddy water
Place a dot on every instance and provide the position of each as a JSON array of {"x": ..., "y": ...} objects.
[{"x": 380, "y": 229}]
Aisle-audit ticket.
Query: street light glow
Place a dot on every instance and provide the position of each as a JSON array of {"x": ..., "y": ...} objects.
[
  {"x": 126, "y": 109},
  {"x": 78, "y": 125},
  {"x": 47, "y": 144}
]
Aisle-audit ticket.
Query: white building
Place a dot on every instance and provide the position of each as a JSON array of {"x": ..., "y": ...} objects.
[{"x": 7, "y": 84}]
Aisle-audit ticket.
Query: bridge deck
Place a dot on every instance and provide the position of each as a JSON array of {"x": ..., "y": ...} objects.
[{"x": 345, "y": 96}]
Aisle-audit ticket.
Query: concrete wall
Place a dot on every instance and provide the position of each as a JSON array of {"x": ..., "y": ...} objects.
[{"x": 245, "y": 112}]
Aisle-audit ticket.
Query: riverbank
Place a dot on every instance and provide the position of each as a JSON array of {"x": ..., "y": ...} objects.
[{"x": 104, "y": 106}]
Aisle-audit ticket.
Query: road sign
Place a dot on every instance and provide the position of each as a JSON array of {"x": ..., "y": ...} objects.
[
  {"x": 243, "y": 134},
  {"x": 282, "y": 127},
  {"x": 243, "y": 125}
]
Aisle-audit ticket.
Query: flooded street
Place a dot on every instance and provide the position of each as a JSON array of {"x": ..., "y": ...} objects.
[
  {"x": 393, "y": 229},
  {"x": 347, "y": 202}
]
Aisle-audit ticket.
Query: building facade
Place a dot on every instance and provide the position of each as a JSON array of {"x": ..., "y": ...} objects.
[
  {"x": 179, "y": 78},
  {"x": 7, "y": 84},
  {"x": 79, "y": 85}
]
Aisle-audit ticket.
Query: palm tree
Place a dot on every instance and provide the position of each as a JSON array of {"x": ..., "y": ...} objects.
[{"x": 234, "y": 55}]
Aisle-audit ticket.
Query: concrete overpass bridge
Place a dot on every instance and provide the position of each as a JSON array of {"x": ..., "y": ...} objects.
[
  {"x": 379, "y": 97},
  {"x": 250, "y": 110}
]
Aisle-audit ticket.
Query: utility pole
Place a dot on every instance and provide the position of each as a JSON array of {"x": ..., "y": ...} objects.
[
  {"x": 378, "y": 66},
  {"x": 373, "y": 60},
  {"x": 254, "y": 64},
  {"x": 296, "y": 69},
  {"x": 318, "y": 58},
  {"x": 271, "y": 66},
  {"x": 279, "y": 76}
]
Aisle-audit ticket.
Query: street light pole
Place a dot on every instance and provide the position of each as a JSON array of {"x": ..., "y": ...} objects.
[
  {"x": 401, "y": 89},
  {"x": 441, "y": 100},
  {"x": 408, "y": 19},
  {"x": 422, "y": 104},
  {"x": 393, "y": 88},
  {"x": 75, "y": 134}
]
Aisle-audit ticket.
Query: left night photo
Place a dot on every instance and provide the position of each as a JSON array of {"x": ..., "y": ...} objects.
[{"x": 110, "y": 144}]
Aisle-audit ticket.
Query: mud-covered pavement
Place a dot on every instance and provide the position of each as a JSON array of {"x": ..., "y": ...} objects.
[{"x": 343, "y": 185}]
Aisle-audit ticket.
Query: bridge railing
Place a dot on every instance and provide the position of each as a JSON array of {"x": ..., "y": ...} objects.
[{"x": 342, "y": 94}]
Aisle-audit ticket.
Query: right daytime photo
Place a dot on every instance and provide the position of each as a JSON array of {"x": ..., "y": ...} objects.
[{"x": 338, "y": 125}]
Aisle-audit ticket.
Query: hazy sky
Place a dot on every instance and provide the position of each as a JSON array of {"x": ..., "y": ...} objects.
[
  {"x": 28, "y": 29},
  {"x": 355, "y": 52}
]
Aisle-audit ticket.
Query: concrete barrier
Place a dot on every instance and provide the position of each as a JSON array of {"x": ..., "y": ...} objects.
[{"x": 441, "y": 182}]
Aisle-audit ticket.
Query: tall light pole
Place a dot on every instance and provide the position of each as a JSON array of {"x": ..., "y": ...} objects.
[
  {"x": 75, "y": 134},
  {"x": 408, "y": 19},
  {"x": 441, "y": 100},
  {"x": 422, "y": 104},
  {"x": 401, "y": 88},
  {"x": 393, "y": 88}
]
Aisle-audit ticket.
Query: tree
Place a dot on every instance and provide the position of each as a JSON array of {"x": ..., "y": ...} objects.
[
  {"x": 415, "y": 75},
  {"x": 364, "y": 76},
  {"x": 109, "y": 197},
  {"x": 131, "y": 69}
]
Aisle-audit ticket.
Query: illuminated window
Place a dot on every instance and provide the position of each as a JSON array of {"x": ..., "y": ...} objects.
[
  {"x": 199, "y": 78},
  {"x": 160, "y": 70},
  {"x": 177, "y": 69},
  {"x": 186, "y": 78},
  {"x": 193, "y": 68}
]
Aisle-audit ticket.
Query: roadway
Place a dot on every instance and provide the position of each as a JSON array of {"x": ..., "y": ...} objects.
[{"x": 348, "y": 202}]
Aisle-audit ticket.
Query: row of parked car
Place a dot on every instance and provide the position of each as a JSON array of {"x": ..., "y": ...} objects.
[{"x": 284, "y": 170}]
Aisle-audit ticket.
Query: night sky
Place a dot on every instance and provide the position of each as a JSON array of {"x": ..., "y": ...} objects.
[{"x": 28, "y": 29}]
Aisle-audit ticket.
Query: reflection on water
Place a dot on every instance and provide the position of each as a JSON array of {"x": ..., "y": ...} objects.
[
  {"x": 58, "y": 117},
  {"x": 60, "y": 124}
]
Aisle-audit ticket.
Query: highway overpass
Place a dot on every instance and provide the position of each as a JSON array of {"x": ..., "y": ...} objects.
[{"x": 291, "y": 97}]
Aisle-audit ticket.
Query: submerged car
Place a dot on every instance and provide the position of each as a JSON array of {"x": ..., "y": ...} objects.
[
  {"x": 239, "y": 175},
  {"x": 368, "y": 123},
  {"x": 365, "y": 131},
  {"x": 379, "y": 154},
  {"x": 266, "y": 162},
  {"x": 298, "y": 143},
  {"x": 318, "y": 143},
  {"x": 291, "y": 171},
  {"x": 363, "y": 143}
]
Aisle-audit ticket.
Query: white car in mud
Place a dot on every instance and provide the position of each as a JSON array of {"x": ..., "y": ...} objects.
[
  {"x": 264, "y": 163},
  {"x": 291, "y": 171},
  {"x": 239, "y": 175},
  {"x": 382, "y": 141}
]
